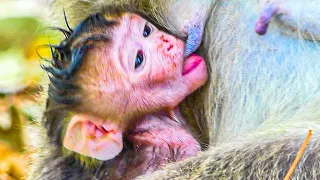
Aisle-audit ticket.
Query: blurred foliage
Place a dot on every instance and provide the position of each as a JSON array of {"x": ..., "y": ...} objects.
[
  {"x": 11, "y": 27},
  {"x": 22, "y": 36}
]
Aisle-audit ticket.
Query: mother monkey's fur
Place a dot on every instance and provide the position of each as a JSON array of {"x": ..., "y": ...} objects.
[{"x": 263, "y": 94}]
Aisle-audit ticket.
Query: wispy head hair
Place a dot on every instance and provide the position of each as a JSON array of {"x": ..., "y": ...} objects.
[{"x": 68, "y": 56}]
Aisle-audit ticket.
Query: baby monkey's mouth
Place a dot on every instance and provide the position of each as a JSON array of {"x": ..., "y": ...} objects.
[{"x": 191, "y": 63}]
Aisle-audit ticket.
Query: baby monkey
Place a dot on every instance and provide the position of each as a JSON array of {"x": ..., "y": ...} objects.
[{"x": 118, "y": 73}]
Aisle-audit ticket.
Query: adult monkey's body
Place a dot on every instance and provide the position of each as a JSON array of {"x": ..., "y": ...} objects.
[{"x": 263, "y": 96}]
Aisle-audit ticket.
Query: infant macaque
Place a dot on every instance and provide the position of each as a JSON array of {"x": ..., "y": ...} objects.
[{"x": 119, "y": 73}]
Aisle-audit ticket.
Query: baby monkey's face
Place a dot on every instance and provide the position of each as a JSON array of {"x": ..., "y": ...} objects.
[
  {"x": 141, "y": 70},
  {"x": 146, "y": 53}
]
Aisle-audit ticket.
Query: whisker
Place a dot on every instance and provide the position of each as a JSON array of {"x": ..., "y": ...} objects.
[{"x": 66, "y": 21}]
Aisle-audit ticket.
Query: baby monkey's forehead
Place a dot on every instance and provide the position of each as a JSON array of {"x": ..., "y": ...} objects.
[
  {"x": 122, "y": 17},
  {"x": 128, "y": 23},
  {"x": 127, "y": 20},
  {"x": 113, "y": 27}
]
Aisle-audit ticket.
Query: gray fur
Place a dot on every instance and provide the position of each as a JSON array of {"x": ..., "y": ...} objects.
[
  {"x": 262, "y": 160},
  {"x": 263, "y": 96}
]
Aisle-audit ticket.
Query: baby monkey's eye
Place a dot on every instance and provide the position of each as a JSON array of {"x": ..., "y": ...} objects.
[
  {"x": 139, "y": 59},
  {"x": 146, "y": 30}
]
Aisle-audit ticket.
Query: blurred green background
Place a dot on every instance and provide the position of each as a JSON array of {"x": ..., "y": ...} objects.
[{"x": 22, "y": 32}]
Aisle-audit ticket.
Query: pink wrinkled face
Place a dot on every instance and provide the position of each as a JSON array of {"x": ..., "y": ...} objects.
[
  {"x": 143, "y": 70},
  {"x": 147, "y": 54}
]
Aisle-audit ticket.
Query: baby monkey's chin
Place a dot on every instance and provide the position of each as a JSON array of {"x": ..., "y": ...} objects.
[{"x": 194, "y": 72}]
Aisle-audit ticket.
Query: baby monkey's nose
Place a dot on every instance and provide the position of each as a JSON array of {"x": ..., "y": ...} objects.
[{"x": 167, "y": 43}]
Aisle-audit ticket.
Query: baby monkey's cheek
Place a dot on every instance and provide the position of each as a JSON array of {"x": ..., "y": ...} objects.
[
  {"x": 168, "y": 65},
  {"x": 164, "y": 72}
]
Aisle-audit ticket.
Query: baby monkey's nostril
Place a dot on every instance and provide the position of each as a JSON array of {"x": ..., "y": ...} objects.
[
  {"x": 163, "y": 39},
  {"x": 166, "y": 42}
]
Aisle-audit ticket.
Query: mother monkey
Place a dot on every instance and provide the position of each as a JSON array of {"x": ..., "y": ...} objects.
[{"x": 264, "y": 91}]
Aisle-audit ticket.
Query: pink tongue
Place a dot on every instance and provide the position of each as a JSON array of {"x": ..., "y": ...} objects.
[{"x": 191, "y": 63}]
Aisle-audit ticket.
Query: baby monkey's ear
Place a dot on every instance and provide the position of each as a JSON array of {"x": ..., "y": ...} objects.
[{"x": 93, "y": 137}]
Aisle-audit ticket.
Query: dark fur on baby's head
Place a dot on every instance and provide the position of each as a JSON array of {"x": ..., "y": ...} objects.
[{"x": 68, "y": 56}]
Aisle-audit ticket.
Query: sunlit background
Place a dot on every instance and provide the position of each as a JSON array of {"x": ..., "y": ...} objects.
[{"x": 22, "y": 32}]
